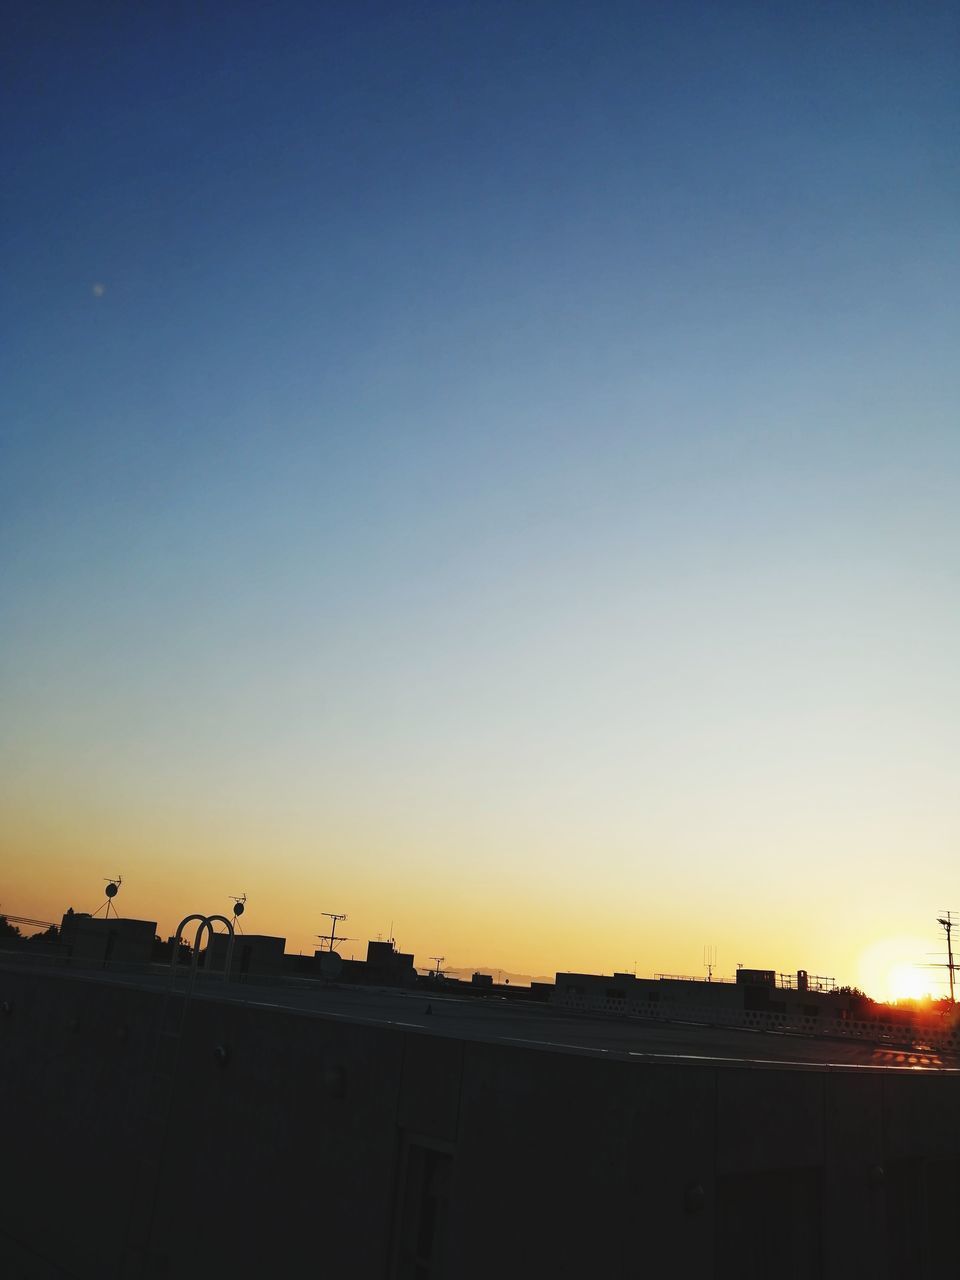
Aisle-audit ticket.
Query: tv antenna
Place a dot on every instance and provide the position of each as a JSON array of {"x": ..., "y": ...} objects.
[
  {"x": 332, "y": 938},
  {"x": 239, "y": 902},
  {"x": 710, "y": 961},
  {"x": 113, "y": 888},
  {"x": 439, "y": 961}
]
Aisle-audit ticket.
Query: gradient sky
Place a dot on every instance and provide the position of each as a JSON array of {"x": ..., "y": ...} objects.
[{"x": 489, "y": 467}]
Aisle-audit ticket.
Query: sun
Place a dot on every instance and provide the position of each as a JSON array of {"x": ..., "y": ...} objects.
[
  {"x": 894, "y": 969},
  {"x": 907, "y": 982}
]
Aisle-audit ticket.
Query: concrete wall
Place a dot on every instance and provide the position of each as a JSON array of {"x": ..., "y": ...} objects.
[{"x": 294, "y": 1141}]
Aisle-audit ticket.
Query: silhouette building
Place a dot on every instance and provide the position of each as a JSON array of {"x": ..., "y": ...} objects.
[
  {"x": 106, "y": 940},
  {"x": 253, "y": 956}
]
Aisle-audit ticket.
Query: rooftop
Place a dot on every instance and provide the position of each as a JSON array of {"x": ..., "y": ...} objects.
[{"x": 531, "y": 1025}]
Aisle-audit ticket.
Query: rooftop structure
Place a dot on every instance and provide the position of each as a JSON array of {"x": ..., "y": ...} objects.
[
  {"x": 254, "y": 956},
  {"x": 106, "y": 940}
]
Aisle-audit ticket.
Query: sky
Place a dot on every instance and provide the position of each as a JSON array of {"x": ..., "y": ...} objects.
[{"x": 490, "y": 469}]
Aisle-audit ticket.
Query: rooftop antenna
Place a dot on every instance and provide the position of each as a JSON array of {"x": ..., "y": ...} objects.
[
  {"x": 239, "y": 902},
  {"x": 710, "y": 961},
  {"x": 948, "y": 922},
  {"x": 439, "y": 960},
  {"x": 113, "y": 888},
  {"x": 332, "y": 938}
]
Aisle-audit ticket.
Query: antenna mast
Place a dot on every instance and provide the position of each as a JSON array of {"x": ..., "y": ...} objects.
[
  {"x": 113, "y": 888},
  {"x": 948, "y": 922},
  {"x": 710, "y": 961},
  {"x": 239, "y": 903},
  {"x": 439, "y": 960},
  {"x": 332, "y": 938}
]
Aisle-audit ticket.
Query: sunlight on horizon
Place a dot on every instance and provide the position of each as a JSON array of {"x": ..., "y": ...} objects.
[{"x": 894, "y": 969}]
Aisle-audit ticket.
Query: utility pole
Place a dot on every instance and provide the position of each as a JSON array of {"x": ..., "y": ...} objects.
[{"x": 948, "y": 922}]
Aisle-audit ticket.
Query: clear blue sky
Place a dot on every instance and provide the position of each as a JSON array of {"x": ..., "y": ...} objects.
[{"x": 456, "y": 453}]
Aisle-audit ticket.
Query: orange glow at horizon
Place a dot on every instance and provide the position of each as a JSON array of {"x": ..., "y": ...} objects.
[
  {"x": 509, "y": 918},
  {"x": 891, "y": 969},
  {"x": 908, "y": 982}
]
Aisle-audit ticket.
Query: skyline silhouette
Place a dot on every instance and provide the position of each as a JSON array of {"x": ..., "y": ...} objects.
[{"x": 893, "y": 973}]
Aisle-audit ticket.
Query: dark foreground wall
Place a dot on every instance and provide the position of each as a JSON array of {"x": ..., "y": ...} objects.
[{"x": 295, "y": 1144}]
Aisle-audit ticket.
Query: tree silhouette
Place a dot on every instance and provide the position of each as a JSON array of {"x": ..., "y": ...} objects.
[
  {"x": 48, "y": 935},
  {"x": 8, "y": 932}
]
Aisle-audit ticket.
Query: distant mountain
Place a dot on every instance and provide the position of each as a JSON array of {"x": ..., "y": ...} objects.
[{"x": 498, "y": 975}]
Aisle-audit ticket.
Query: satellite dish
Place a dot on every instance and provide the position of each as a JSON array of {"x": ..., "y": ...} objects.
[
  {"x": 238, "y": 908},
  {"x": 113, "y": 888}
]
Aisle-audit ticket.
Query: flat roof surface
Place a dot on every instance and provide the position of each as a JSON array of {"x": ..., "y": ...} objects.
[{"x": 531, "y": 1025}]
